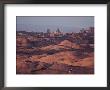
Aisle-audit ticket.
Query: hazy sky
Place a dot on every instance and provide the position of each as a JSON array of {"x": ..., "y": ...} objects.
[{"x": 64, "y": 23}]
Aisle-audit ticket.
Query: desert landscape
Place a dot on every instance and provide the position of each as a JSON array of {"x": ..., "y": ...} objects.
[{"x": 55, "y": 52}]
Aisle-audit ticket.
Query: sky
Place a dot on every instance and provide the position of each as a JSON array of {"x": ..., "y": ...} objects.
[{"x": 64, "y": 23}]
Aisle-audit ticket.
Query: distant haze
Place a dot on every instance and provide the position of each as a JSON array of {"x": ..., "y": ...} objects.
[{"x": 64, "y": 23}]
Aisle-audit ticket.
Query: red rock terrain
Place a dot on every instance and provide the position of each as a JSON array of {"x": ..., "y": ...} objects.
[{"x": 63, "y": 58}]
